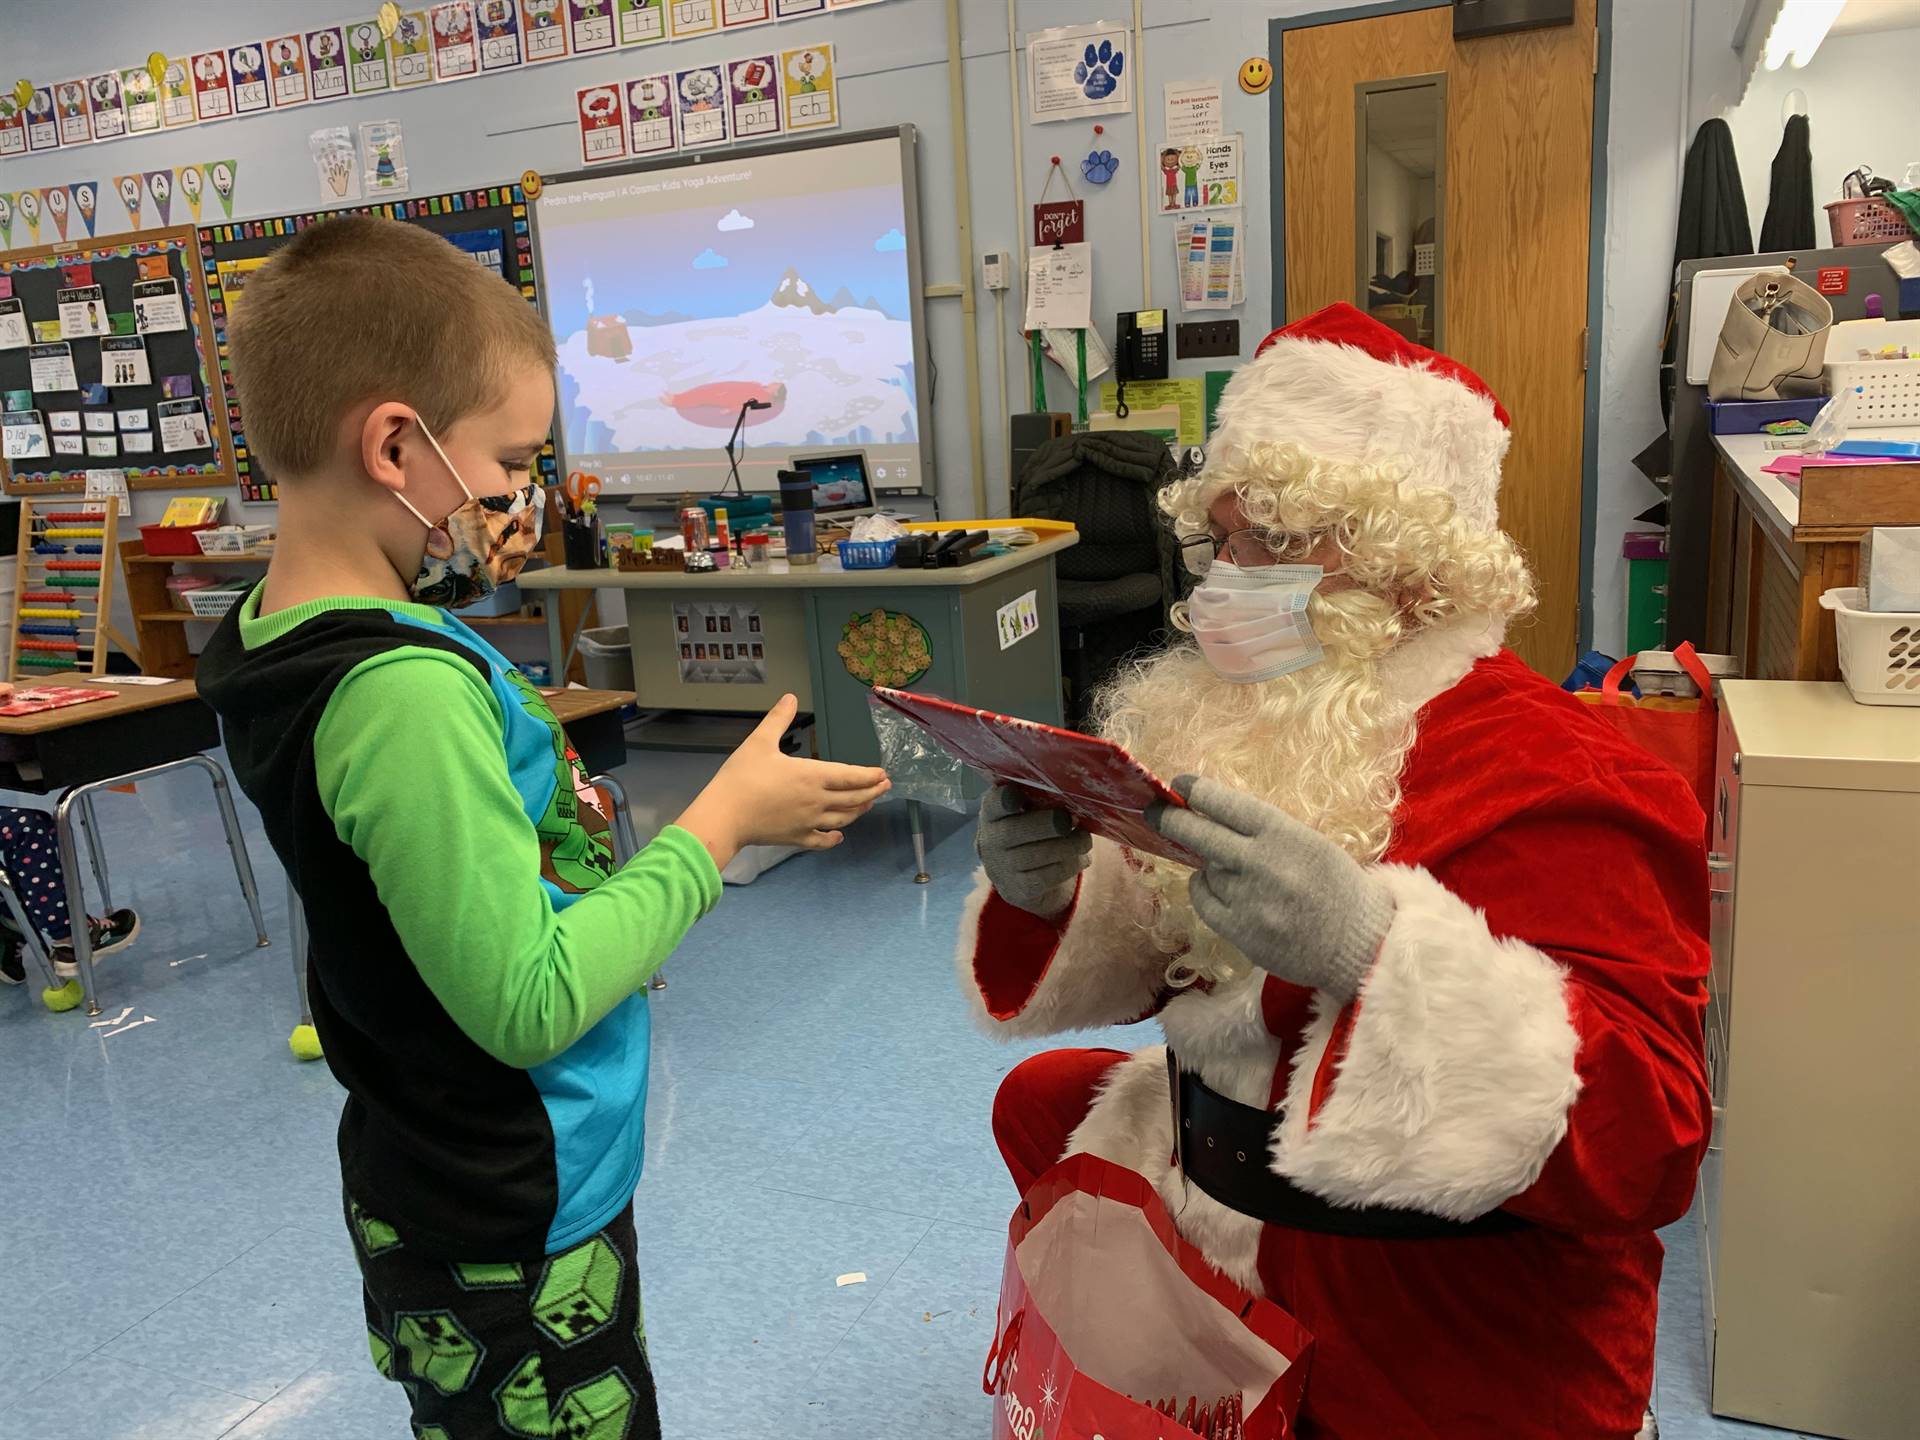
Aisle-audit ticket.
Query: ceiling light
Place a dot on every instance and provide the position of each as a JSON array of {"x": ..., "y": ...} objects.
[{"x": 1798, "y": 30}]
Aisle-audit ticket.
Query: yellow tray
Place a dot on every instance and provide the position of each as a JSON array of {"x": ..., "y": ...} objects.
[{"x": 1045, "y": 529}]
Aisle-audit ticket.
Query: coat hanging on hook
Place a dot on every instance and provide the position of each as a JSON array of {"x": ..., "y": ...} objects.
[{"x": 1789, "y": 220}]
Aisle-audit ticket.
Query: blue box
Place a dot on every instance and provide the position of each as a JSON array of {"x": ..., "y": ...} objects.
[
  {"x": 1749, "y": 417},
  {"x": 1910, "y": 299}
]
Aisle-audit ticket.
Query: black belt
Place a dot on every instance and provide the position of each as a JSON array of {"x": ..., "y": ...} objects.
[{"x": 1222, "y": 1146}]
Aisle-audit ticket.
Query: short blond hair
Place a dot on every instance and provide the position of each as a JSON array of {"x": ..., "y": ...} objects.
[{"x": 358, "y": 308}]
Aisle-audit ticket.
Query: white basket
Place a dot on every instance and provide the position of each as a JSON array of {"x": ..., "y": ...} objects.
[
  {"x": 1889, "y": 389},
  {"x": 232, "y": 539},
  {"x": 1879, "y": 651},
  {"x": 212, "y": 602}
]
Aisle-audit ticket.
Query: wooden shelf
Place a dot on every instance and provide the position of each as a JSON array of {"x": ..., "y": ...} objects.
[
  {"x": 253, "y": 556},
  {"x": 505, "y": 619},
  {"x": 174, "y": 617}
]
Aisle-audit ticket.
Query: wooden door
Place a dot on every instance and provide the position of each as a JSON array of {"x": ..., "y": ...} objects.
[{"x": 1513, "y": 245}]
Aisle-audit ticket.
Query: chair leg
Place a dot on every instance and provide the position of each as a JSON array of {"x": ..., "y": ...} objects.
[
  {"x": 81, "y": 940},
  {"x": 917, "y": 819},
  {"x": 91, "y": 824},
  {"x": 625, "y": 843},
  {"x": 236, "y": 841}
]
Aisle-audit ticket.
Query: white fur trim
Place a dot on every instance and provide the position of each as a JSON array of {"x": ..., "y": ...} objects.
[
  {"x": 1106, "y": 971},
  {"x": 1432, "y": 662},
  {"x": 1131, "y": 1124},
  {"x": 1458, "y": 1074},
  {"x": 1345, "y": 405}
]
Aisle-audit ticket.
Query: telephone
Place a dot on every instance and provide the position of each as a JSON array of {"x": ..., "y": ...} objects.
[{"x": 1141, "y": 351}]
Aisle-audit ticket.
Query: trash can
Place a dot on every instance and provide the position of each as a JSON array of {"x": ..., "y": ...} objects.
[{"x": 607, "y": 659}]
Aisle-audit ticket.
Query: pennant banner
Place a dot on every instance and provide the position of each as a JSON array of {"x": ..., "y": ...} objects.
[
  {"x": 221, "y": 175},
  {"x": 53, "y": 199},
  {"x": 132, "y": 195},
  {"x": 160, "y": 191},
  {"x": 6, "y": 218},
  {"x": 191, "y": 184},
  {"x": 86, "y": 201},
  {"x": 27, "y": 202}
]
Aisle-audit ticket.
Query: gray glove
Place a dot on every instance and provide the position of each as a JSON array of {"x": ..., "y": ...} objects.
[
  {"x": 1033, "y": 857},
  {"x": 1288, "y": 898}
]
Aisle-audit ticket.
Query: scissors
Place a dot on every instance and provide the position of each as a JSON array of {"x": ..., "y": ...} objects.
[{"x": 582, "y": 489}]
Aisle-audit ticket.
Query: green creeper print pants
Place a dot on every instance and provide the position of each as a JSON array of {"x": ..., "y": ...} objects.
[{"x": 539, "y": 1350}]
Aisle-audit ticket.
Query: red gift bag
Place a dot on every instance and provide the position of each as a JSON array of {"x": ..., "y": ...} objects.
[
  {"x": 1680, "y": 732},
  {"x": 1102, "y": 1300}
]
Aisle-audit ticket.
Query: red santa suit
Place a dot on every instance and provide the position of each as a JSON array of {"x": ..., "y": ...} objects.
[{"x": 1527, "y": 1046}]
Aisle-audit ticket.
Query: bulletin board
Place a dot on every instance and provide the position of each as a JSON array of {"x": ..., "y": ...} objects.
[
  {"x": 177, "y": 358},
  {"x": 489, "y": 223}
]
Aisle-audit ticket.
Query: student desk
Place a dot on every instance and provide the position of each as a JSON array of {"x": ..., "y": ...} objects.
[
  {"x": 140, "y": 732},
  {"x": 1777, "y": 546},
  {"x": 591, "y": 719},
  {"x": 803, "y": 610}
]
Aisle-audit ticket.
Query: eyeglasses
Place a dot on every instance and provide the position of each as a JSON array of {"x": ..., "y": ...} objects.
[{"x": 1245, "y": 548}]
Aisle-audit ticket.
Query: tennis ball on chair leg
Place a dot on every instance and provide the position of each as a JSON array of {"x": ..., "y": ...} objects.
[
  {"x": 64, "y": 998},
  {"x": 304, "y": 1042}
]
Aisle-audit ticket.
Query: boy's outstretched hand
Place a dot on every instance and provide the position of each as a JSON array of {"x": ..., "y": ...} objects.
[{"x": 763, "y": 797}]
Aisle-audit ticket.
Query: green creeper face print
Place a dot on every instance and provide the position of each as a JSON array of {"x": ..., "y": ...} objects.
[
  {"x": 438, "y": 1349},
  {"x": 574, "y": 851},
  {"x": 579, "y": 1291}
]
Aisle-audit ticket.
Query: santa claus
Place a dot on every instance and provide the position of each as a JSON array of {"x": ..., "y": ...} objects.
[{"x": 1433, "y": 1000}]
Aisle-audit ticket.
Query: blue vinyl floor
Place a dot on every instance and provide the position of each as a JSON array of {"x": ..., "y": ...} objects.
[{"x": 172, "y": 1260}]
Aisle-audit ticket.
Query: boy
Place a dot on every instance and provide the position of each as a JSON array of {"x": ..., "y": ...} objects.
[{"x": 478, "y": 970}]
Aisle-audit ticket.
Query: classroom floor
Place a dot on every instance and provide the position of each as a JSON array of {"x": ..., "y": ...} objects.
[{"x": 173, "y": 1264}]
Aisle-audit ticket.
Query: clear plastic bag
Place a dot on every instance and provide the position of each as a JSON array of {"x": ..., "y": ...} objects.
[{"x": 919, "y": 768}]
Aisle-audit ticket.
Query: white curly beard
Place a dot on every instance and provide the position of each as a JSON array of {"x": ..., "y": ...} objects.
[{"x": 1325, "y": 744}]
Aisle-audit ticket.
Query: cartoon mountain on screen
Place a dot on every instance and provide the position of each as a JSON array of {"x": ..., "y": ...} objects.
[{"x": 832, "y": 371}]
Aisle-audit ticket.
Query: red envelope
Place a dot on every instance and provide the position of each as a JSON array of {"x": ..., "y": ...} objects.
[{"x": 1096, "y": 781}]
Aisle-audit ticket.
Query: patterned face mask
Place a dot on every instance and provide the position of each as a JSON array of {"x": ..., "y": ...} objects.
[{"x": 482, "y": 544}]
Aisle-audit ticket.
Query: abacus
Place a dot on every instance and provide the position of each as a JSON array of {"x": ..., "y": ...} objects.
[{"x": 64, "y": 589}]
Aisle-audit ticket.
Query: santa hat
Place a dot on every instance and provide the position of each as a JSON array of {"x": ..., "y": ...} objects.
[{"x": 1343, "y": 387}]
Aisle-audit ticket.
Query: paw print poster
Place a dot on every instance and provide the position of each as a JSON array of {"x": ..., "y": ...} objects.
[{"x": 1080, "y": 70}]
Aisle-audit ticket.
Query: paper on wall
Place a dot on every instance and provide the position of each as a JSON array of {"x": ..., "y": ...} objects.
[
  {"x": 1199, "y": 175},
  {"x": 1211, "y": 260},
  {"x": 650, "y": 127},
  {"x": 1060, "y": 288},
  {"x": 809, "y": 85},
  {"x": 25, "y": 435},
  {"x": 110, "y": 485},
  {"x": 1079, "y": 70},
  {"x": 51, "y": 367},
  {"x": 183, "y": 425},
  {"x": 1188, "y": 395},
  {"x": 1192, "y": 110},
  {"x": 642, "y": 22}
]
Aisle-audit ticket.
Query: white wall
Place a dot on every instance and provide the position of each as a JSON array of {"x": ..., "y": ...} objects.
[
  {"x": 1859, "y": 105},
  {"x": 1389, "y": 206}
]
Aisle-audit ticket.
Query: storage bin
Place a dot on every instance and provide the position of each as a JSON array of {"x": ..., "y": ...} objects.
[
  {"x": 211, "y": 602},
  {"x": 1889, "y": 389},
  {"x": 178, "y": 587},
  {"x": 1863, "y": 222},
  {"x": 1879, "y": 650},
  {"x": 1750, "y": 417},
  {"x": 231, "y": 539},
  {"x": 606, "y": 657},
  {"x": 172, "y": 539}
]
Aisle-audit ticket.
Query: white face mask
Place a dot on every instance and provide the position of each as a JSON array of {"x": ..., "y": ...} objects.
[{"x": 1252, "y": 623}]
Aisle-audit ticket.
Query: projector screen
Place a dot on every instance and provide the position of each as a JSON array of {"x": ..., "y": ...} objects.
[{"x": 789, "y": 276}]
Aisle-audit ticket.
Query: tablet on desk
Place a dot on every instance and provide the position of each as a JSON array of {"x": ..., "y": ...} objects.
[{"x": 1096, "y": 781}]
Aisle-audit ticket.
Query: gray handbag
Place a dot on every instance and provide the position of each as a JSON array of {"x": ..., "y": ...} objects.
[{"x": 1773, "y": 344}]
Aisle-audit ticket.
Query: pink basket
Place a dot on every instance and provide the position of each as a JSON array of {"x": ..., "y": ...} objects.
[{"x": 1861, "y": 222}]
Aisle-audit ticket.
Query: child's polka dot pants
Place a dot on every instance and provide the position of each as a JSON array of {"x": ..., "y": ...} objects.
[{"x": 30, "y": 854}]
